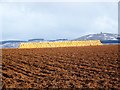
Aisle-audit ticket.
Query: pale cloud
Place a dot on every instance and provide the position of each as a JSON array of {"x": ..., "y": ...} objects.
[
  {"x": 59, "y": 0},
  {"x": 1, "y": 12},
  {"x": 56, "y": 20},
  {"x": 21, "y": 23},
  {"x": 105, "y": 24}
]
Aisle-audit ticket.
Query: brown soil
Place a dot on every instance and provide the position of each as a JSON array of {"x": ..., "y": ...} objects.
[{"x": 73, "y": 67}]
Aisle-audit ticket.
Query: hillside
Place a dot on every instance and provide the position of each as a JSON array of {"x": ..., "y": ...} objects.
[{"x": 100, "y": 36}]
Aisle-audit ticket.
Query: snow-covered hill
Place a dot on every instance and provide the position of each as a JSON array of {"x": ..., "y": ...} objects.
[
  {"x": 100, "y": 36},
  {"x": 10, "y": 44}
]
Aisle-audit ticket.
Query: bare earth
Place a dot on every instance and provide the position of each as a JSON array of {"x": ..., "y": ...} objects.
[{"x": 73, "y": 67}]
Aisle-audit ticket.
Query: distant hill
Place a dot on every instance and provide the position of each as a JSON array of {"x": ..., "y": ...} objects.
[
  {"x": 36, "y": 40},
  {"x": 10, "y": 43},
  {"x": 58, "y": 40},
  {"x": 100, "y": 36},
  {"x": 106, "y": 38}
]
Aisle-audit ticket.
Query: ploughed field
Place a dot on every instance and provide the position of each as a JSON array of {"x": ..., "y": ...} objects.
[{"x": 66, "y": 67}]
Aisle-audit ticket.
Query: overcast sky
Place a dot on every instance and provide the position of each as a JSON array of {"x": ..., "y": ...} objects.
[{"x": 53, "y": 20}]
